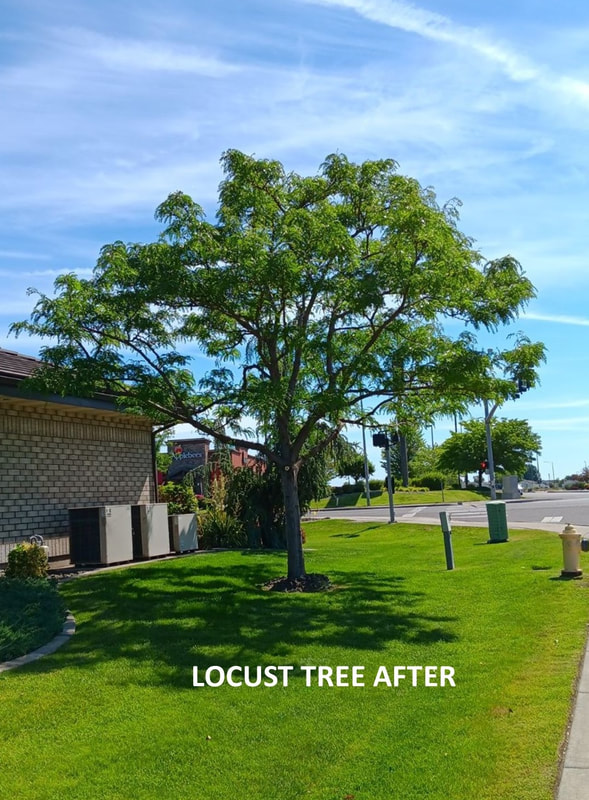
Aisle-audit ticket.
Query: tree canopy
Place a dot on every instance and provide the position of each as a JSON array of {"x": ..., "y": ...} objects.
[
  {"x": 320, "y": 300},
  {"x": 514, "y": 446}
]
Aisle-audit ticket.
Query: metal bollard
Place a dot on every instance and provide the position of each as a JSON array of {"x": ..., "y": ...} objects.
[
  {"x": 571, "y": 552},
  {"x": 447, "y": 531}
]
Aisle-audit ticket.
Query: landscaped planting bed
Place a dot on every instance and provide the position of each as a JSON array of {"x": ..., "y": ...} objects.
[{"x": 114, "y": 714}]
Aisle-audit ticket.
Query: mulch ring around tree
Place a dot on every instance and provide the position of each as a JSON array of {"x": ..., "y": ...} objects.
[{"x": 314, "y": 582}]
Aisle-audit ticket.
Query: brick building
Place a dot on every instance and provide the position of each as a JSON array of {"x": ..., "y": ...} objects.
[
  {"x": 63, "y": 452},
  {"x": 188, "y": 454}
]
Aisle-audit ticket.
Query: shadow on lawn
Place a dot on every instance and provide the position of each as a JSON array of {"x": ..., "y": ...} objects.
[{"x": 203, "y": 611}]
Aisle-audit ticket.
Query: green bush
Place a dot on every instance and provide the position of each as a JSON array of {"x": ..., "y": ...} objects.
[
  {"x": 27, "y": 561},
  {"x": 220, "y": 529},
  {"x": 31, "y": 614},
  {"x": 432, "y": 481},
  {"x": 375, "y": 485},
  {"x": 348, "y": 488},
  {"x": 179, "y": 497}
]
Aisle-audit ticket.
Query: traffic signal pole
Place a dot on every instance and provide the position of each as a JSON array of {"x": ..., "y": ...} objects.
[
  {"x": 383, "y": 440},
  {"x": 390, "y": 484}
]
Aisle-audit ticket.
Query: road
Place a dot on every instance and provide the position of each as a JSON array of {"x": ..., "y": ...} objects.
[{"x": 544, "y": 510}]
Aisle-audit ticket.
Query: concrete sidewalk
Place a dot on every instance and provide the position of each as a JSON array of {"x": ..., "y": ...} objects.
[{"x": 574, "y": 780}]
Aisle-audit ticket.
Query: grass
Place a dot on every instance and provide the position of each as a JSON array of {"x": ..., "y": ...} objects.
[
  {"x": 402, "y": 498},
  {"x": 114, "y": 713},
  {"x": 31, "y": 613}
]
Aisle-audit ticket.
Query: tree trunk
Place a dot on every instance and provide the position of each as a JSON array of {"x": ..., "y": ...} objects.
[{"x": 290, "y": 491}]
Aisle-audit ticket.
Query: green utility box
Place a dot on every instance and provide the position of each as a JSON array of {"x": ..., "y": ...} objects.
[{"x": 497, "y": 519}]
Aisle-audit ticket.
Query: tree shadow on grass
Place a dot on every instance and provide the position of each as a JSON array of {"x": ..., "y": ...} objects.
[{"x": 206, "y": 612}]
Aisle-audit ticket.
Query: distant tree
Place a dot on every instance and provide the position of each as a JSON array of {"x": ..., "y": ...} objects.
[
  {"x": 531, "y": 473},
  {"x": 514, "y": 444},
  {"x": 353, "y": 467}
]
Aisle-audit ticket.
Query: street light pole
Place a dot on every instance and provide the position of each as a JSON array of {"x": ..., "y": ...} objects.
[
  {"x": 366, "y": 471},
  {"x": 490, "y": 461}
]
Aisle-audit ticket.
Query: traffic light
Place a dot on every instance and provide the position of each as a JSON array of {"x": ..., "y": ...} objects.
[
  {"x": 380, "y": 440},
  {"x": 484, "y": 465}
]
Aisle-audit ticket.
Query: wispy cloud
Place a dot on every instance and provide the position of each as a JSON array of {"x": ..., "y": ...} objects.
[
  {"x": 433, "y": 26},
  {"x": 559, "y": 319},
  {"x": 412, "y": 19},
  {"x": 141, "y": 55},
  {"x": 21, "y": 254}
]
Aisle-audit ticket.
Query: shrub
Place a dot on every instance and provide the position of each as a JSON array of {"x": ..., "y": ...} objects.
[
  {"x": 220, "y": 529},
  {"x": 375, "y": 485},
  {"x": 179, "y": 497},
  {"x": 432, "y": 481},
  {"x": 31, "y": 613},
  {"x": 27, "y": 561},
  {"x": 349, "y": 488}
]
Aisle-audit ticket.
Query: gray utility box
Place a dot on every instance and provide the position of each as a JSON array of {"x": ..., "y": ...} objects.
[
  {"x": 183, "y": 534},
  {"x": 510, "y": 487},
  {"x": 150, "y": 530},
  {"x": 101, "y": 535},
  {"x": 497, "y": 519}
]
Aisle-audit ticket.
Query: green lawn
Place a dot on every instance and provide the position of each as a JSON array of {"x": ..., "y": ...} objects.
[
  {"x": 401, "y": 498},
  {"x": 114, "y": 714}
]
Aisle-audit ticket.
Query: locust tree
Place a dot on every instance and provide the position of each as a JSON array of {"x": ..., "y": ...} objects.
[{"x": 319, "y": 298}]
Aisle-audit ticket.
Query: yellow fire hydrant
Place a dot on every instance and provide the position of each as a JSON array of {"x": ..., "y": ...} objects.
[{"x": 571, "y": 552}]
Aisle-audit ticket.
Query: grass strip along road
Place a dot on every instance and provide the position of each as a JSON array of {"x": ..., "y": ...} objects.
[{"x": 114, "y": 714}]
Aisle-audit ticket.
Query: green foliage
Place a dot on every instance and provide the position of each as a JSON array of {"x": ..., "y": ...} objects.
[
  {"x": 434, "y": 481},
  {"x": 531, "y": 473},
  {"x": 313, "y": 295},
  {"x": 27, "y": 560},
  {"x": 424, "y": 460},
  {"x": 180, "y": 498},
  {"x": 375, "y": 485},
  {"x": 514, "y": 444},
  {"x": 256, "y": 501},
  {"x": 353, "y": 467},
  {"x": 31, "y": 614},
  {"x": 220, "y": 529}
]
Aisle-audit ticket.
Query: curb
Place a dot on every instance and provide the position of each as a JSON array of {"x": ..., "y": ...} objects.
[{"x": 68, "y": 630}]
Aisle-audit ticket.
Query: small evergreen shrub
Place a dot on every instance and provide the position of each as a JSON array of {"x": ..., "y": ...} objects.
[
  {"x": 375, "y": 485},
  {"x": 27, "y": 560}
]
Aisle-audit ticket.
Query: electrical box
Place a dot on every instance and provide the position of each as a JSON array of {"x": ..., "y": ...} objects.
[
  {"x": 150, "y": 530},
  {"x": 183, "y": 532},
  {"x": 497, "y": 519},
  {"x": 100, "y": 535}
]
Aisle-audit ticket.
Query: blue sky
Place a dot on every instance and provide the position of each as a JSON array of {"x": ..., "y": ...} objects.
[{"x": 108, "y": 107}]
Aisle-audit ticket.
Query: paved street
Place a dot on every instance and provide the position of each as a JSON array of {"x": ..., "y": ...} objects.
[{"x": 544, "y": 510}]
